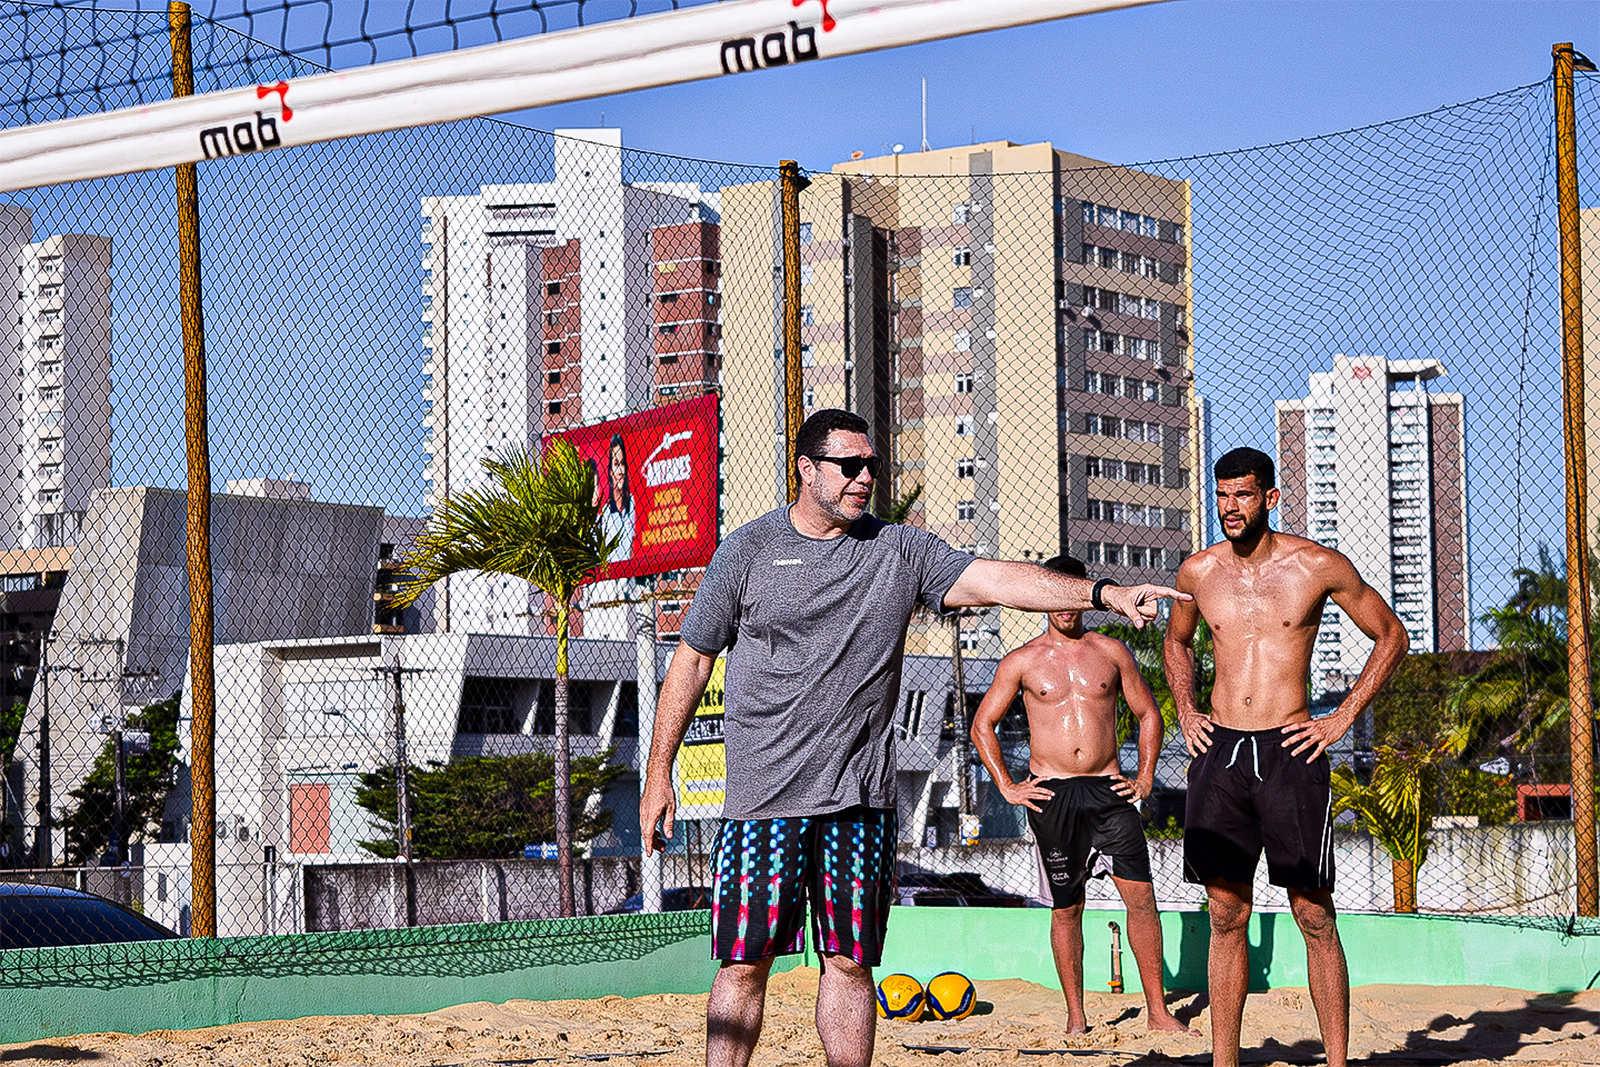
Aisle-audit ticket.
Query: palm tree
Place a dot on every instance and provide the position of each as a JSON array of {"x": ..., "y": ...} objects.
[
  {"x": 1397, "y": 807},
  {"x": 538, "y": 521},
  {"x": 1520, "y": 699}
]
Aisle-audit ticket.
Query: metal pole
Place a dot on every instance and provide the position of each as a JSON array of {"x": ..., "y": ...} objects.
[
  {"x": 793, "y": 375},
  {"x": 402, "y": 768},
  {"x": 644, "y": 646},
  {"x": 202, "y": 681},
  {"x": 1581, "y": 716},
  {"x": 43, "y": 847}
]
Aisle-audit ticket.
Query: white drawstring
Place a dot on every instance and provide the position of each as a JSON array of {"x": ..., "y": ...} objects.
[{"x": 1255, "y": 754}]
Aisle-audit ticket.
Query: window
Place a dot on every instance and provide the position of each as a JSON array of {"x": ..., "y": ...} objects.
[
  {"x": 810, "y": 398},
  {"x": 806, "y": 273},
  {"x": 1093, "y": 552},
  {"x": 805, "y": 356},
  {"x": 962, "y": 256},
  {"x": 967, "y": 510},
  {"x": 963, "y": 384},
  {"x": 963, "y": 340},
  {"x": 553, "y": 377},
  {"x": 966, "y": 468},
  {"x": 911, "y": 715},
  {"x": 960, "y": 213},
  {"x": 964, "y": 426},
  {"x": 1138, "y": 555},
  {"x": 961, "y": 296},
  {"x": 808, "y": 315},
  {"x": 1112, "y": 554},
  {"x": 553, "y": 407},
  {"x": 552, "y": 288},
  {"x": 805, "y": 233}
]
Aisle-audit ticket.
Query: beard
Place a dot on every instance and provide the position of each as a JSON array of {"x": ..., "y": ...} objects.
[{"x": 1252, "y": 529}]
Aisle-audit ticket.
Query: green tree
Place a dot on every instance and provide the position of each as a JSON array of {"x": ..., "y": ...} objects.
[
  {"x": 487, "y": 806},
  {"x": 1146, "y": 645},
  {"x": 148, "y": 777},
  {"x": 538, "y": 521},
  {"x": 1398, "y": 805},
  {"x": 900, "y": 509},
  {"x": 1519, "y": 699}
]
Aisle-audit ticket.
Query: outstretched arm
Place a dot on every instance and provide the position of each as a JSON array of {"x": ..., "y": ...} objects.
[
  {"x": 1007, "y": 681},
  {"x": 991, "y": 583},
  {"x": 1377, "y": 620},
  {"x": 1177, "y": 653},
  {"x": 1142, "y": 702},
  {"x": 681, "y": 691}
]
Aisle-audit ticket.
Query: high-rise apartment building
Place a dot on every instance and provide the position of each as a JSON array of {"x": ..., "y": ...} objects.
[
  {"x": 545, "y": 312},
  {"x": 1014, "y": 323},
  {"x": 57, "y": 412},
  {"x": 1374, "y": 464}
]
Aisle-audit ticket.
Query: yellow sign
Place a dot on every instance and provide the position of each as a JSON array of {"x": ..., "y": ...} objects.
[{"x": 702, "y": 765}]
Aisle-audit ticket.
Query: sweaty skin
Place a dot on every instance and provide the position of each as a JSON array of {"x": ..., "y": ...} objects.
[{"x": 1070, "y": 689}]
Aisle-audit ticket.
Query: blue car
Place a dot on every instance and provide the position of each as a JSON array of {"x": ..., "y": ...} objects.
[{"x": 44, "y": 916}]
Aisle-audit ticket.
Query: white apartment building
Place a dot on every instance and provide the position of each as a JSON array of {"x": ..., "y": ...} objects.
[
  {"x": 1374, "y": 464},
  {"x": 538, "y": 317},
  {"x": 57, "y": 412}
]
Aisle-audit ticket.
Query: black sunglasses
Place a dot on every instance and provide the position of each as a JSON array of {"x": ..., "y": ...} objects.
[{"x": 851, "y": 466}]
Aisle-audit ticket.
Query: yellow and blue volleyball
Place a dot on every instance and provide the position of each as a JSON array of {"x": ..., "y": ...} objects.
[
  {"x": 950, "y": 996},
  {"x": 899, "y": 997}
]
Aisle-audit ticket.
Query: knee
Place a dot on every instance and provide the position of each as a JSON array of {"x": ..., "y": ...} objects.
[
  {"x": 1316, "y": 918},
  {"x": 1071, "y": 915},
  {"x": 1229, "y": 919},
  {"x": 748, "y": 977},
  {"x": 845, "y": 969}
]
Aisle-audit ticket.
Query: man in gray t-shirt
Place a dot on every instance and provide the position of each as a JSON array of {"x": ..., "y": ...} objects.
[{"x": 812, "y": 603}]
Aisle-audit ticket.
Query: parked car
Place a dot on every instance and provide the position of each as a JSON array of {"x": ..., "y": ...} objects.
[
  {"x": 956, "y": 890},
  {"x": 678, "y": 898},
  {"x": 44, "y": 916}
]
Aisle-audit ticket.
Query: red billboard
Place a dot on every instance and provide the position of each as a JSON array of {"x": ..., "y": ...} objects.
[{"x": 656, "y": 484}]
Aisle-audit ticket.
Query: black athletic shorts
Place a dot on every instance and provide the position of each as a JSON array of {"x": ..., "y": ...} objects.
[
  {"x": 1246, "y": 794},
  {"x": 765, "y": 870},
  {"x": 1087, "y": 819}
]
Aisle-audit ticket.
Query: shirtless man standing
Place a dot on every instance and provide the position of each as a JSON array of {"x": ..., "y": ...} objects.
[
  {"x": 1259, "y": 780},
  {"x": 1070, "y": 680}
]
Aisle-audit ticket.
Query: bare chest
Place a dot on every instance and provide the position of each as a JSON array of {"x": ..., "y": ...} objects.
[{"x": 1260, "y": 603}]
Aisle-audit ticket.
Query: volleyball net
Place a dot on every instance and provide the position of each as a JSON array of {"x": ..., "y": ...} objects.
[{"x": 1050, "y": 350}]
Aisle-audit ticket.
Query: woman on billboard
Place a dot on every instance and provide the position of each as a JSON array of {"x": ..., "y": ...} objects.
[{"x": 618, "y": 518}]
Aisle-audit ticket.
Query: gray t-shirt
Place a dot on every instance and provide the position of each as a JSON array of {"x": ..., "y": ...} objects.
[{"x": 815, "y": 632}]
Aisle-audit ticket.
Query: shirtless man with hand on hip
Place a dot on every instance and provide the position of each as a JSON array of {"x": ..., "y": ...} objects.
[
  {"x": 1259, "y": 780},
  {"x": 1079, "y": 804}
]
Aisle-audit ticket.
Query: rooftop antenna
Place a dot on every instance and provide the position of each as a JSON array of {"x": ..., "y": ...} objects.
[{"x": 924, "y": 114}]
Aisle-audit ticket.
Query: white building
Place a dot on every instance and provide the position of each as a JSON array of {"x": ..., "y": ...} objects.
[
  {"x": 538, "y": 318},
  {"x": 1374, "y": 464},
  {"x": 57, "y": 418}
]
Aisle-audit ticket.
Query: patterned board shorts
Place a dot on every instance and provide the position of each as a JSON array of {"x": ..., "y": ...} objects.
[{"x": 765, "y": 871}]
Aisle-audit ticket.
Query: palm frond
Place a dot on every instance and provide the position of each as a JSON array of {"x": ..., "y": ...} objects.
[{"x": 537, "y": 521}]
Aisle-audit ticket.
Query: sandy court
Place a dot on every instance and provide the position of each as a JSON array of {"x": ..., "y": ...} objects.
[{"x": 1391, "y": 1025}]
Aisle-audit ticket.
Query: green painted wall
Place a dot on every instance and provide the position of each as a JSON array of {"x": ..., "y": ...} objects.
[
  {"x": 1397, "y": 949},
  {"x": 182, "y": 984}
]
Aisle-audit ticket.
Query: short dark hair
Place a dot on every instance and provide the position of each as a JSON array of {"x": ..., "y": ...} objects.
[
  {"x": 1242, "y": 462},
  {"x": 813, "y": 435},
  {"x": 1071, "y": 566}
]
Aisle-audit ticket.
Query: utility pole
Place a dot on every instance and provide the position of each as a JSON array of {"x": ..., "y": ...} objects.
[
  {"x": 402, "y": 782},
  {"x": 43, "y": 846},
  {"x": 650, "y": 863},
  {"x": 963, "y": 739},
  {"x": 114, "y": 723},
  {"x": 1580, "y": 716}
]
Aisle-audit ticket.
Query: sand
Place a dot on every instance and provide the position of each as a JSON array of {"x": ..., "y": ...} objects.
[{"x": 1390, "y": 1025}]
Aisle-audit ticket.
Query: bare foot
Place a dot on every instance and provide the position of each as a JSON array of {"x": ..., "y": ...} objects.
[
  {"x": 1167, "y": 1023},
  {"x": 1077, "y": 1028}
]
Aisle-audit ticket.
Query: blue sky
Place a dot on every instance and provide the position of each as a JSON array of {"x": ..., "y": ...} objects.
[
  {"x": 1406, "y": 240},
  {"x": 1154, "y": 82}
]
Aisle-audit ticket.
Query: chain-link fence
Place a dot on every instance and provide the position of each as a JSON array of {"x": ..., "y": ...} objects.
[{"x": 1050, "y": 351}]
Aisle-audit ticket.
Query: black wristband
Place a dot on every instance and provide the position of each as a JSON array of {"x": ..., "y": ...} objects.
[{"x": 1094, "y": 596}]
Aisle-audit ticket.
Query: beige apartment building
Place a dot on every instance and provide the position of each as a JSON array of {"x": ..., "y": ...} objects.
[{"x": 1014, "y": 321}]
